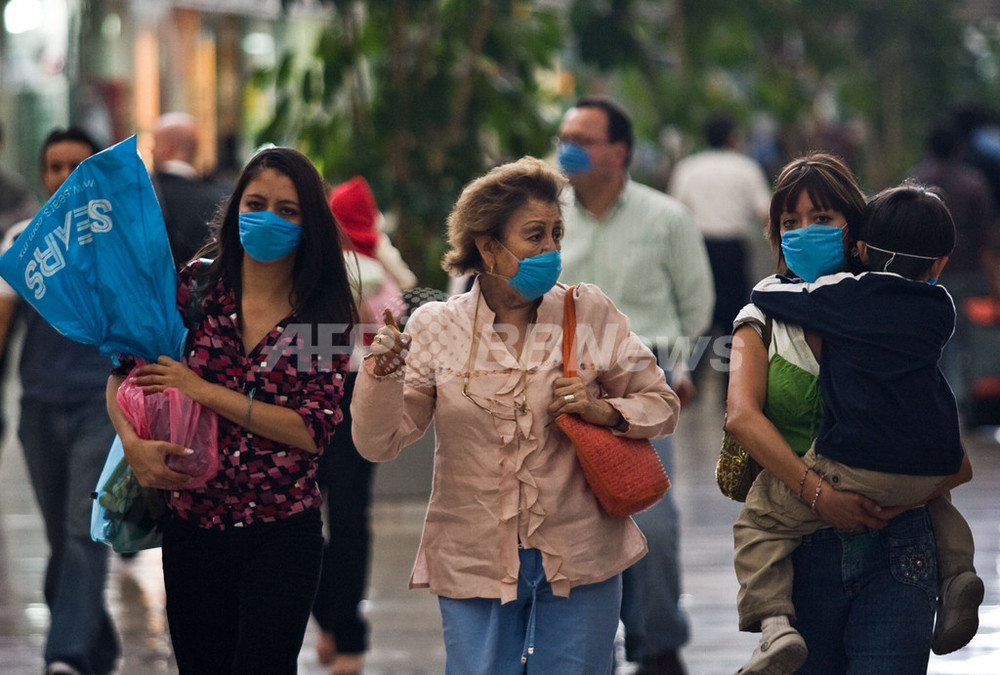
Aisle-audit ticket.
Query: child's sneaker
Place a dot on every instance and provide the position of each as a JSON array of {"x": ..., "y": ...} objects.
[
  {"x": 781, "y": 651},
  {"x": 958, "y": 613}
]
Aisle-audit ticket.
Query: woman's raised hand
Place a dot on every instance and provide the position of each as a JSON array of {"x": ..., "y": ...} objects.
[{"x": 390, "y": 346}]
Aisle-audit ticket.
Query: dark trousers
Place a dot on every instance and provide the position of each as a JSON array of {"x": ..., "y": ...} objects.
[
  {"x": 345, "y": 477},
  {"x": 728, "y": 259},
  {"x": 238, "y": 600},
  {"x": 65, "y": 445}
]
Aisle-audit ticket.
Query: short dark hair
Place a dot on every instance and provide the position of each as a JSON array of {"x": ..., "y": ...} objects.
[
  {"x": 619, "y": 123},
  {"x": 718, "y": 131},
  {"x": 71, "y": 134},
  {"x": 321, "y": 291},
  {"x": 908, "y": 220}
]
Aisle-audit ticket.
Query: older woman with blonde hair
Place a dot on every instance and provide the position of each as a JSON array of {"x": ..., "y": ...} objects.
[{"x": 526, "y": 564}]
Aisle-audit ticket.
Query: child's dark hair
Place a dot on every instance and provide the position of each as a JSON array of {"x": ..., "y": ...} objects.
[{"x": 907, "y": 228}]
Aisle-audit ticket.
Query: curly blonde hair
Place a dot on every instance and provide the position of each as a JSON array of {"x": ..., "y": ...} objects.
[{"x": 487, "y": 204}]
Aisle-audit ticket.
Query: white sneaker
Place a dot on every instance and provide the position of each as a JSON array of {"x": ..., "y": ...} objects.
[
  {"x": 779, "y": 653},
  {"x": 958, "y": 614}
]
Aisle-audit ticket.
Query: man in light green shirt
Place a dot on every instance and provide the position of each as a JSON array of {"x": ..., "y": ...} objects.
[{"x": 641, "y": 247}]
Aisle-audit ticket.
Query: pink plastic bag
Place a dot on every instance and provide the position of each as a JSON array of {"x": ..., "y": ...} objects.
[{"x": 171, "y": 416}]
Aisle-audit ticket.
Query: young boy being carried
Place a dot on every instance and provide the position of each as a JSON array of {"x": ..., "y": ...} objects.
[{"x": 890, "y": 429}]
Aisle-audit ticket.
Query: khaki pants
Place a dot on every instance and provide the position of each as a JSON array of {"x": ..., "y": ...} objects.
[{"x": 774, "y": 520}]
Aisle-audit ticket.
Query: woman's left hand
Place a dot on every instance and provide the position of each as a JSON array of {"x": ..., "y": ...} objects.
[
  {"x": 166, "y": 372},
  {"x": 569, "y": 395},
  {"x": 850, "y": 511}
]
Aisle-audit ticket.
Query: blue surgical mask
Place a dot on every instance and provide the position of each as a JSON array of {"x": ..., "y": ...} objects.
[
  {"x": 537, "y": 274},
  {"x": 266, "y": 236},
  {"x": 810, "y": 252},
  {"x": 573, "y": 158}
]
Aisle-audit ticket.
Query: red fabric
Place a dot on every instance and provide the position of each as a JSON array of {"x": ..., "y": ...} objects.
[{"x": 354, "y": 207}]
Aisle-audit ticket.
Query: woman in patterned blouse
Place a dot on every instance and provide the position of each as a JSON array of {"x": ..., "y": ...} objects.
[{"x": 267, "y": 350}]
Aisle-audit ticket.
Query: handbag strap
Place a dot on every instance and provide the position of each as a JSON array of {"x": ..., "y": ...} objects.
[
  {"x": 569, "y": 333},
  {"x": 765, "y": 334}
]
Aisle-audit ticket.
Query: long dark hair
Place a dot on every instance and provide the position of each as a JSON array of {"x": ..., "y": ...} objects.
[{"x": 321, "y": 291}]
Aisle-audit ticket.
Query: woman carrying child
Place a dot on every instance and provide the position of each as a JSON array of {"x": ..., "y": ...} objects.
[{"x": 839, "y": 625}]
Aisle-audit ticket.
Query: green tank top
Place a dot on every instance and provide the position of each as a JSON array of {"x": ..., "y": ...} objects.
[{"x": 793, "y": 403}]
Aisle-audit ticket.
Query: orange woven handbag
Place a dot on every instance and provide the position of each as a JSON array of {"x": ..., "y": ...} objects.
[{"x": 624, "y": 473}]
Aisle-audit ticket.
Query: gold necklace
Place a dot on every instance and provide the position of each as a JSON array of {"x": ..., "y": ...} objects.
[{"x": 522, "y": 406}]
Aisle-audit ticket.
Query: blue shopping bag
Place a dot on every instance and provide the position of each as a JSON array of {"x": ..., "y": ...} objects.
[
  {"x": 125, "y": 516},
  {"x": 95, "y": 261},
  {"x": 96, "y": 264}
]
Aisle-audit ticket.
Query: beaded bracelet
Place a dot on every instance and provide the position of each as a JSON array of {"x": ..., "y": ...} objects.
[
  {"x": 802, "y": 483},
  {"x": 819, "y": 488},
  {"x": 246, "y": 425}
]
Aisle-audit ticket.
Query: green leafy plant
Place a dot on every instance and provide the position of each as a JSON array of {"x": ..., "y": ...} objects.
[{"x": 420, "y": 97}]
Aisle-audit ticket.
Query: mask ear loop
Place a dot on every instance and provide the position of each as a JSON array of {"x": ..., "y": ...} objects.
[
  {"x": 893, "y": 254},
  {"x": 500, "y": 276}
]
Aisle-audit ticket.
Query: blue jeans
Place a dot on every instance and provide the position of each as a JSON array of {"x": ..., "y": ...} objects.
[
  {"x": 65, "y": 445},
  {"x": 537, "y": 633},
  {"x": 651, "y": 588},
  {"x": 866, "y": 601}
]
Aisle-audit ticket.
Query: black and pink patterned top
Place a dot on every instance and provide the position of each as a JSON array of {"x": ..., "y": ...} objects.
[{"x": 259, "y": 480}]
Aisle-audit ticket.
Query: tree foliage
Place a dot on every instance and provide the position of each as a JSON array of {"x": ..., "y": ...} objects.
[
  {"x": 887, "y": 67},
  {"x": 419, "y": 96}
]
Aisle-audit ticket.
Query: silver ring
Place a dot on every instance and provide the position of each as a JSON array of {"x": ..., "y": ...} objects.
[{"x": 569, "y": 398}]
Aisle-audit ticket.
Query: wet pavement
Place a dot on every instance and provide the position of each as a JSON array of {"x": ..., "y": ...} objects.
[{"x": 406, "y": 637}]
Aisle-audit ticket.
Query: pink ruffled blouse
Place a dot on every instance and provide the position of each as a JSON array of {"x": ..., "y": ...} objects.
[{"x": 504, "y": 475}]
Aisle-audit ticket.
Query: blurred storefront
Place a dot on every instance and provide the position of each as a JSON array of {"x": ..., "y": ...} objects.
[{"x": 113, "y": 66}]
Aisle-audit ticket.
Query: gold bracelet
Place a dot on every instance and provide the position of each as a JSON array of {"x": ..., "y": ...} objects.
[{"x": 246, "y": 424}]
